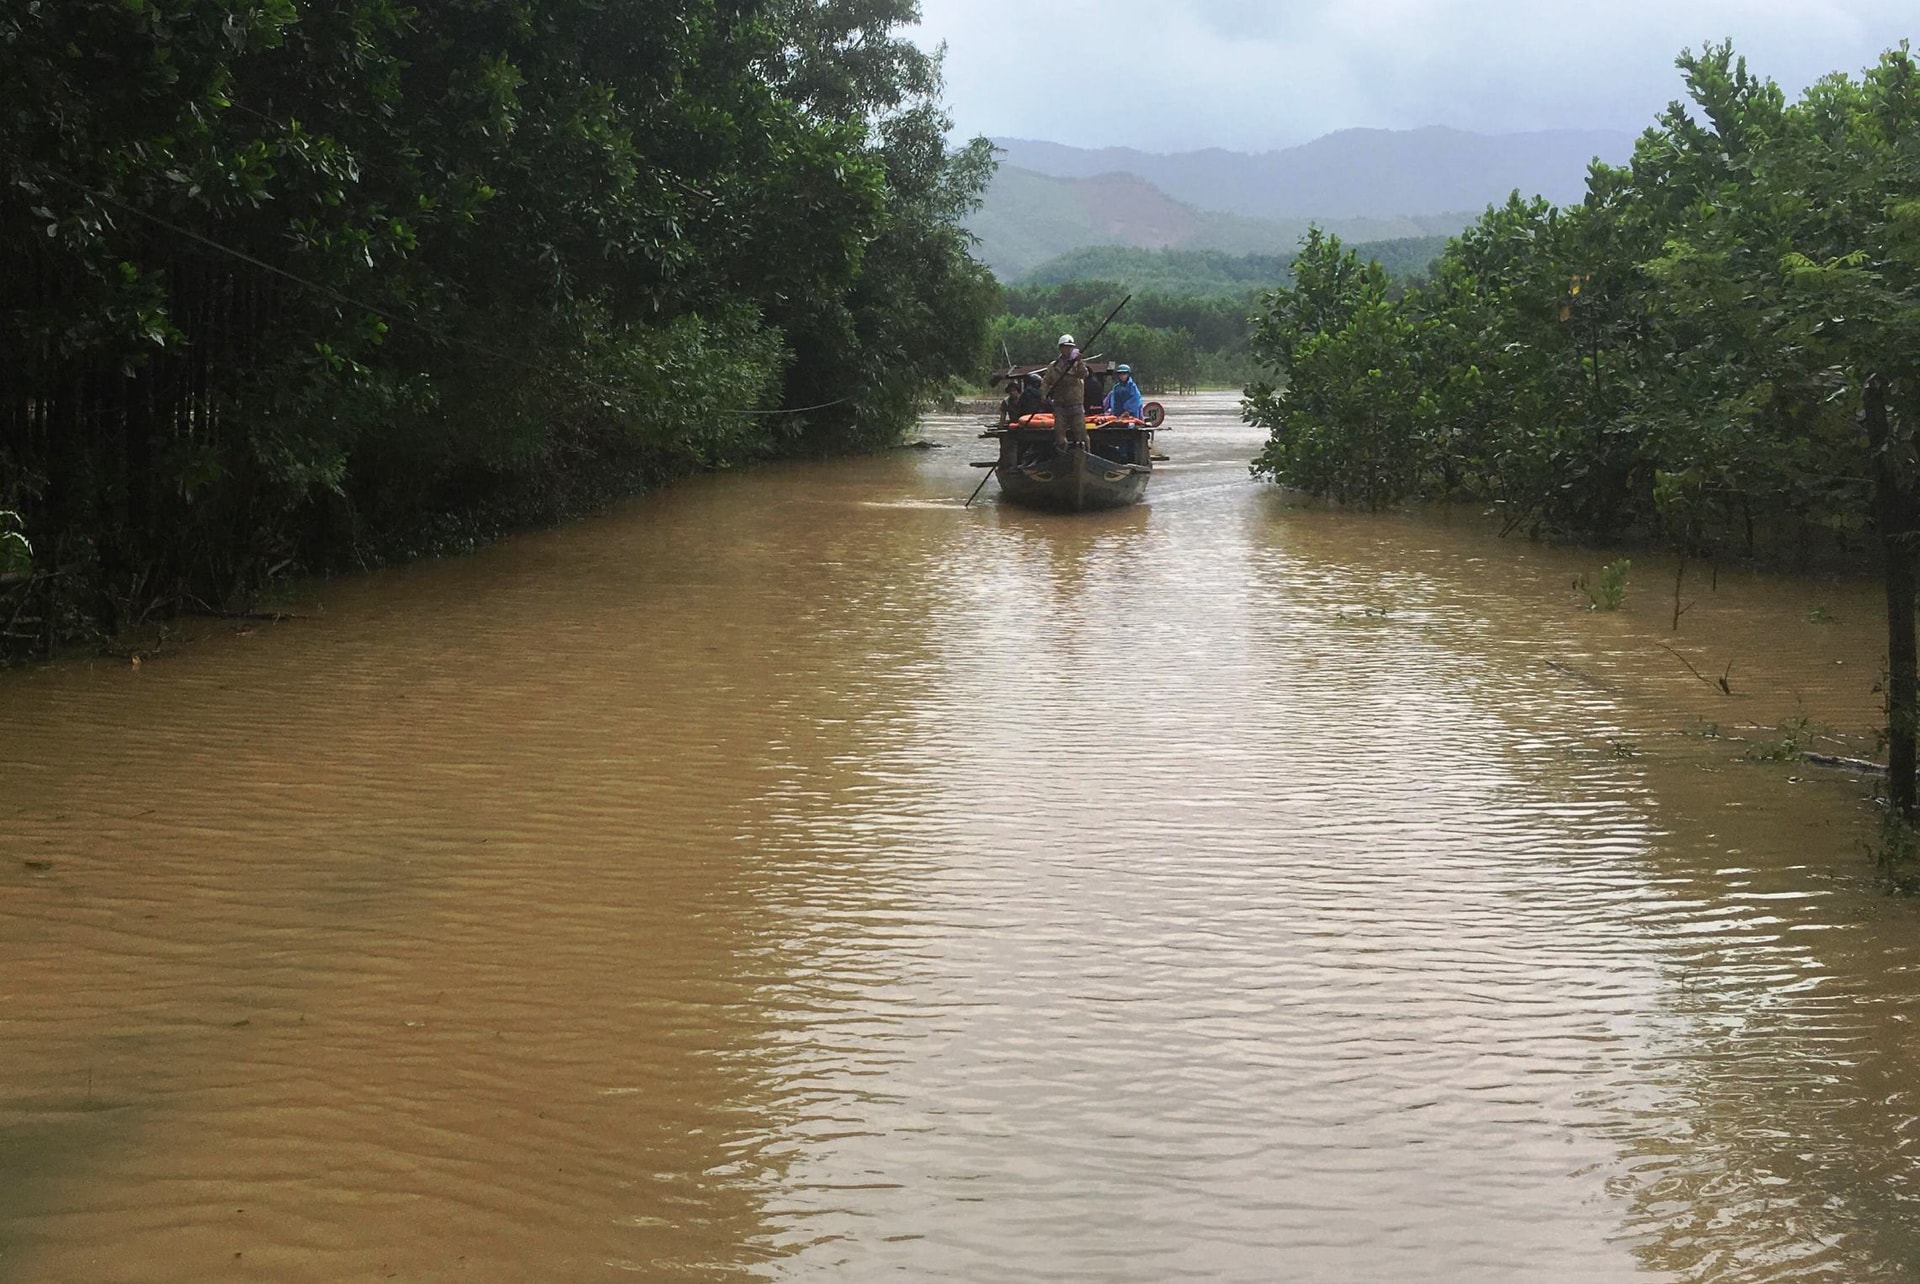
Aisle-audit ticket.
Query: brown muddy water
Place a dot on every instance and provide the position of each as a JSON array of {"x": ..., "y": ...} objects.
[{"x": 795, "y": 876}]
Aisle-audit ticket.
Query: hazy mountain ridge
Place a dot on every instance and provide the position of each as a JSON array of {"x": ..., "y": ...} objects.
[
  {"x": 1029, "y": 218},
  {"x": 1355, "y": 173}
]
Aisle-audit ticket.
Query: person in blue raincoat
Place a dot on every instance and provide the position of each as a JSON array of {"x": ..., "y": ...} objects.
[{"x": 1123, "y": 398}]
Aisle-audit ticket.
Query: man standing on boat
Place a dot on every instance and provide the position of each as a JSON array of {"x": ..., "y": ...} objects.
[
  {"x": 1123, "y": 399},
  {"x": 1067, "y": 389}
]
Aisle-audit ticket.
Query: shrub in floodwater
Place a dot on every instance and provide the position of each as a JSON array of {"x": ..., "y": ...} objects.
[
  {"x": 1818, "y": 614},
  {"x": 1609, "y": 589},
  {"x": 16, "y": 555},
  {"x": 1896, "y": 852},
  {"x": 1795, "y": 735}
]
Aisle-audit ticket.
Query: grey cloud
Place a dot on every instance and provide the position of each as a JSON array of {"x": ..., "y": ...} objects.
[{"x": 1172, "y": 74}]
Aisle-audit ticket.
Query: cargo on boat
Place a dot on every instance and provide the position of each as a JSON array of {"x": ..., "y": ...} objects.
[{"x": 1109, "y": 470}]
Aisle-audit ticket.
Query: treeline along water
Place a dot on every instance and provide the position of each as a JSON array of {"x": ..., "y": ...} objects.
[
  {"x": 1717, "y": 350},
  {"x": 796, "y": 876},
  {"x": 320, "y": 282},
  {"x": 1191, "y": 317}
]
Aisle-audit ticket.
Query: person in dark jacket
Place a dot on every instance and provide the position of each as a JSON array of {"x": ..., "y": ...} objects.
[
  {"x": 1023, "y": 398},
  {"x": 1033, "y": 395},
  {"x": 1123, "y": 398}
]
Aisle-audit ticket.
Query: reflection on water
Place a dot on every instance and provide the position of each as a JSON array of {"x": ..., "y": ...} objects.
[{"x": 798, "y": 875}]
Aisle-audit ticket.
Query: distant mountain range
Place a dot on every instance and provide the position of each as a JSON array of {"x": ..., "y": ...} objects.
[
  {"x": 1356, "y": 173},
  {"x": 1029, "y": 219},
  {"x": 1363, "y": 184}
]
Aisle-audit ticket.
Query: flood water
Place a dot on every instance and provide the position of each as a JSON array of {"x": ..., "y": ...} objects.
[{"x": 795, "y": 875}]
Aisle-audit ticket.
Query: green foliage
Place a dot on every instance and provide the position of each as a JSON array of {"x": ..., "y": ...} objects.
[
  {"x": 1186, "y": 274},
  {"x": 1191, "y": 311},
  {"x": 1215, "y": 324},
  {"x": 1209, "y": 275},
  {"x": 288, "y": 282},
  {"x": 1796, "y": 735},
  {"x": 1607, "y": 592},
  {"x": 16, "y": 554},
  {"x": 1164, "y": 359},
  {"x": 1342, "y": 402},
  {"x": 1896, "y": 851},
  {"x": 1406, "y": 258},
  {"x": 1682, "y": 356}
]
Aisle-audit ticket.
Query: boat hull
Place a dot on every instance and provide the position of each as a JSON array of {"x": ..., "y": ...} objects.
[{"x": 1074, "y": 481}]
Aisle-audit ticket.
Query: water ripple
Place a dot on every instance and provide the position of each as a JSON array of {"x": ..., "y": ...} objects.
[{"x": 798, "y": 876}]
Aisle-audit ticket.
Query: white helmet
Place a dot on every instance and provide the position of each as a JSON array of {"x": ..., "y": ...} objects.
[{"x": 1066, "y": 341}]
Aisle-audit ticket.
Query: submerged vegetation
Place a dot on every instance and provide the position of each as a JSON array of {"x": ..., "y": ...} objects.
[
  {"x": 1608, "y": 590},
  {"x": 311, "y": 282},
  {"x": 1719, "y": 350}
]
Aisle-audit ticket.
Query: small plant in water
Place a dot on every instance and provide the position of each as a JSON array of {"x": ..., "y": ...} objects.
[
  {"x": 1817, "y": 614},
  {"x": 16, "y": 555},
  {"x": 1896, "y": 851},
  {"x": 1795, "y": 735},
  {"x": 1622, "y": 749},
  {"x": 1609, "y": 589}
]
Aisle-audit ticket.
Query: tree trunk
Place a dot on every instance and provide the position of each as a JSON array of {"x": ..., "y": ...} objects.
[{"x": 1895, "y": 503}]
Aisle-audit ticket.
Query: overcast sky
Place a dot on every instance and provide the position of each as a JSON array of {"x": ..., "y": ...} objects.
[{"x": 1172, "y": 75}]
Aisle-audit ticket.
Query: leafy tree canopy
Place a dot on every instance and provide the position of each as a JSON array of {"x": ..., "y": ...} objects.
[{"x": 292, "y": 281}]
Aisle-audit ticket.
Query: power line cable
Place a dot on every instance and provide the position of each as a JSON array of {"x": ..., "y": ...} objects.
[{"x": 797, "y": 410}]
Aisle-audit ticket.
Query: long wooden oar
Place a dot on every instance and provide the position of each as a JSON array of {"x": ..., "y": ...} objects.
[
  {"x": 1109, "y": 321},
  {"x": 982, "y": 486}
]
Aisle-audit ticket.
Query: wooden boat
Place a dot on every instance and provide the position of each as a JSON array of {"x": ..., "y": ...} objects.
[{"x": 1109, "y": 470}]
